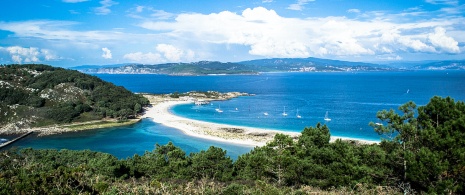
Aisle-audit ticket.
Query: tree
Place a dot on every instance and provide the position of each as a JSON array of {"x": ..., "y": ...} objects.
[
  {"x": 400, "y": 129},
  {"x": 432, "y": 146},
  {"x": 212, "y": 164}
]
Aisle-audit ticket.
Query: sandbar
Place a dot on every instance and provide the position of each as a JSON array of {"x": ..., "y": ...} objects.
[{"x": 159, "y": 112}]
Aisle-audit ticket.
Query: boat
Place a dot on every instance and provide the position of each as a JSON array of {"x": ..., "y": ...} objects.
[
  {"x": 265, "y": 113},
  {"x": 201, "y": 102},
  {"x": 284, "y": 112},
  {"x": 379, "y": 124},
  {"x": 237, "y": 109},
  {"x": 298, "y": 116},
  {"x": 219, "y": 109},
  {"x": 326, "y": 117},
  {"x": 2, "y": 140}
]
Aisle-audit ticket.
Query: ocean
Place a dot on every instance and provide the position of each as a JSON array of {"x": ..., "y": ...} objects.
[{"x": 351, "y": 100}]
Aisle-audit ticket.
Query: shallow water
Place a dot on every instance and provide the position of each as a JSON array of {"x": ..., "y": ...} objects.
[{"x": 126, "y": 141}]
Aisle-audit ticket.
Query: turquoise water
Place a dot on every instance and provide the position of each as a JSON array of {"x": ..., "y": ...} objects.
[
  {"x": 351, "y": 99},
  {"x": 126, "y": 141}
]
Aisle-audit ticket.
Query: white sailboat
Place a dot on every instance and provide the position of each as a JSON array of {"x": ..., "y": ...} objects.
[
  {"x": 219, "y": 109},
  {"x": 326, "y": 117},
  {"x": 284, "y": 112},
  {"x": 298, "y": 116}
]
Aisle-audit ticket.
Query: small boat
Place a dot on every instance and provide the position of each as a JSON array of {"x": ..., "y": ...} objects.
[
  {"x": 284, "y": 112},
  {"x": 237, "y": 109},
  {"x": 265, "y": 113},
  {"x": 2, "y": 140},
  {"x": 379, "y": 124},
  {"x": 298, "y": 116},
  {"x": 326, "y": 117},
  {"x": 219, "y": 109}
]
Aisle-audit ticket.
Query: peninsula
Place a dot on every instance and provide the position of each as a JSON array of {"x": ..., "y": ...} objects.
[{"x": 50, "y": 100}]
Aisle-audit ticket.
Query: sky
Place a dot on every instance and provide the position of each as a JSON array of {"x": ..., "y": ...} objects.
[{"x": 70, "y": 33}]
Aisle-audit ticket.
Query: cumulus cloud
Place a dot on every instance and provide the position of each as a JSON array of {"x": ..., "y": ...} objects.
[
  {"x": 105, "y": 8},
  {"x": 28, "y": 55},
  {"x": 299, "y": 5},
  {"x": 164, "y": 53},
  {"x": 439, "y": 39},
  {"x": 106, "y": 53},
  {"x": 170, "y": 52},
  {"x": 270, "y": 35}
]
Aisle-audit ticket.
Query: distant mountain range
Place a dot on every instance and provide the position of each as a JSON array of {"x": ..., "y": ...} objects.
[{"x": 266, "y": 65}]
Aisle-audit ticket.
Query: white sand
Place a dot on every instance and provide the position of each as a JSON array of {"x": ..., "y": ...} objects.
[{"x": 160, "y": 113}]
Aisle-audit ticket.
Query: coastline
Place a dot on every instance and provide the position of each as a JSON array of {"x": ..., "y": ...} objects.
[
  {"x": 160, "y": 113},
  {"x": 65, "y": 128}
]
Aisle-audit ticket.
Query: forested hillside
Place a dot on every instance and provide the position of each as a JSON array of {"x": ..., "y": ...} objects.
[
  {"x": 37, "y": 95},
  {"x": 423, "y": 154}
]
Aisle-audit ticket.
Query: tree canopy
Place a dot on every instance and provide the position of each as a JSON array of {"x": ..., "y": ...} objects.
[{"x": 57, "y": 95}]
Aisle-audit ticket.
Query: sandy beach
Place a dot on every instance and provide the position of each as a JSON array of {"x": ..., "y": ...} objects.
[{"x": 160, "y": 113}]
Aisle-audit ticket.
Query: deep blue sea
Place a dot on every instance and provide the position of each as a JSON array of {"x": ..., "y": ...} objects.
[{"x": 351, "y": 100}]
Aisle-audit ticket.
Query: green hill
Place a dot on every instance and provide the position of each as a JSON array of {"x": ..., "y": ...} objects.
[{"x": 40, "y": 95}]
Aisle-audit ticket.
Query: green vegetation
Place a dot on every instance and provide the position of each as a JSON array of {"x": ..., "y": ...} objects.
[
  {"x": 424, "y": 154},
  {"x": 38, "y": 95}
]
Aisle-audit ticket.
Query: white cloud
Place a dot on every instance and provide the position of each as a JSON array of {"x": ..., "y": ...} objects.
[
  {"x": 353, "y": 11},
  {"x": 74, "y": 1},
  {"x": 106, "y": 53},
  {"x": 56, "y": 30},
  {"x": 441, "y": 40},
  {"x": 268, "y": 34},
  {"x": 170, "y": 52},
  {"x": 447, "y": 2},
  {"x": 139, "y": 9},
  {"x": 28, "y": 55},
  {"x": 105, "y": 8},
  {"x": 416, "y": 45},
  {"x": 299, "y": 5},
  {"x": 147, "y": 12},
  {"x": 164, "y": 53},
  {"x": 147, "y": 58}
]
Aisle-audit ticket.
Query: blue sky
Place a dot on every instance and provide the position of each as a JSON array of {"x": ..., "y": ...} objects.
[{"x": 78, "y": 32}]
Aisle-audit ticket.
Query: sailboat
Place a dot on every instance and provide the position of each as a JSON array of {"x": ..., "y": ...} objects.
[
  {"x": 326, "y": 117},
  {"x": 298, "y": 116},
  {"x": 284, "y": 112},
  {"x": 219, "y": 109}
]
